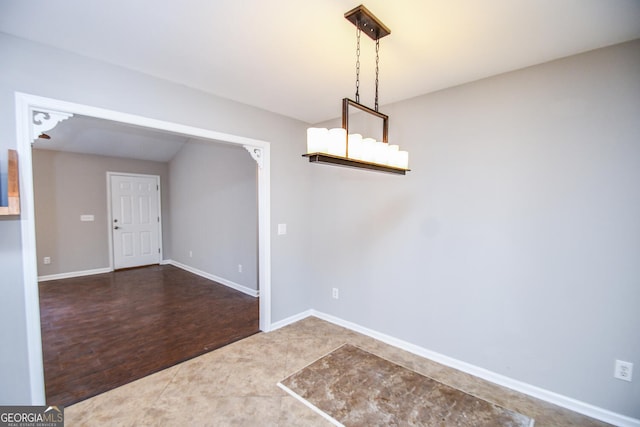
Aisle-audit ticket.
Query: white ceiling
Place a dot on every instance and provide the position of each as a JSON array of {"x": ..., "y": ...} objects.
[
  {"x": 297, "y": 57},
  {"x": 88, "y": 135}
]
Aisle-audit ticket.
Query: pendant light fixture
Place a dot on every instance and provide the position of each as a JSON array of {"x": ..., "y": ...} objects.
[{"x": 339, "y": 147}]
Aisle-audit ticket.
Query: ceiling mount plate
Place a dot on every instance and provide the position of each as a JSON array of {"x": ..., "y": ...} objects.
[{"x": 362, "y": 18}]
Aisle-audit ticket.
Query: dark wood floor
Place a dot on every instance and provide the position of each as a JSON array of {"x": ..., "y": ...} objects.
[{"x": 100, "y": 332}]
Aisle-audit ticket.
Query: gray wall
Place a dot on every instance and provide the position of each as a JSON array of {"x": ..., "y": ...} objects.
[
  {"x": 214, "y": 211},
  {"x": 77, "y": 79},
  {"x": 67, "y": 185},
  {"x": 208, "y": 196},
  {"x": 514, "y": 244}
]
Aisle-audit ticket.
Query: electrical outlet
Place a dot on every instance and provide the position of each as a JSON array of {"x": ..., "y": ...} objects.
[
  {"x": 190, "y": 254},
  {"x": 239, "y": 268},
  {"x": 623, "y": 370},
  {"x": 334, "y": 293},
  {"x": 46, "y": 260}
]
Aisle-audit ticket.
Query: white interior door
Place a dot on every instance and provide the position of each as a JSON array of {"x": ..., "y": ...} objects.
[{"x": 135, "y": 220}]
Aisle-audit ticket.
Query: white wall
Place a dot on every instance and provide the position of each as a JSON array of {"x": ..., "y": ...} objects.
[
  {"x": 39, "y": 70},
  {"x": 214, "y": 211},
  {"x": 514, "y": 244}
]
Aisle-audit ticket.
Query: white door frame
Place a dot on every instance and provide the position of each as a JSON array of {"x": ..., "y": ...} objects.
[
  {"x": 25, "y": 106},
  {"x": 112, "y": 265}
]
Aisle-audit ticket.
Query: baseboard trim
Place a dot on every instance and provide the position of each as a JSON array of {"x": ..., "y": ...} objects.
[
  {"x": 251, "y": 292},
  {"x": 291, "y": 319},
  {"x": 74, "y": 274},
  {"x": 522, "y": 387}
]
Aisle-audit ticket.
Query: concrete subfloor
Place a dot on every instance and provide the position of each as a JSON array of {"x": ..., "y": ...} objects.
[{"x": 237, "y": 385}]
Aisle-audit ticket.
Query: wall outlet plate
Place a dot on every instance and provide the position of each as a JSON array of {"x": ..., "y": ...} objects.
[
  {"x": 334, "y": 293},
  {"x": 623, "y": 370}
]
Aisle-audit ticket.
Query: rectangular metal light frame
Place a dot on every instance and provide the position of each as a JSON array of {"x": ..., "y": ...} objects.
[
  {"x": 353, "y": 163},
  {"x": 346, "y": 103}
]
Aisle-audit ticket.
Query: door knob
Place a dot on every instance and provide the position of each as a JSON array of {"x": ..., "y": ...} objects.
[{"x": 116, "y": 228}]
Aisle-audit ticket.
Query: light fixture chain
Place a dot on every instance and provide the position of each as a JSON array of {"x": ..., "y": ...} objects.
[
  {"x": 377, "y": 70},
  {"x": 358, "y": 63}
]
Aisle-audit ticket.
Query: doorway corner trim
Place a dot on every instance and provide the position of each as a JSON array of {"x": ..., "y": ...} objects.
[{"x": 26, "y": 104}]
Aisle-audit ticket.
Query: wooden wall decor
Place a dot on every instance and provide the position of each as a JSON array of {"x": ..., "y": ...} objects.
[{"x": 13, "y": 187}]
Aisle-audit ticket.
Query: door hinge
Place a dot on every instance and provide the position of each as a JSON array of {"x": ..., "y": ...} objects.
[
  {"x": 157, "y": 187},
  {"x": 158, "y": 219},
  {"x": 158, "y": 250}
]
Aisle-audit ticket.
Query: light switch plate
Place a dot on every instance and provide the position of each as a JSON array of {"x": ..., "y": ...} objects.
[
  {"x": 87, "y": 218},
  {"x": 282, "y": 229}
]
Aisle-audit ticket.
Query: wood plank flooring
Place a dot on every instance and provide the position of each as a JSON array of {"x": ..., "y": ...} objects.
[{"x": 100, "y": 332}]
